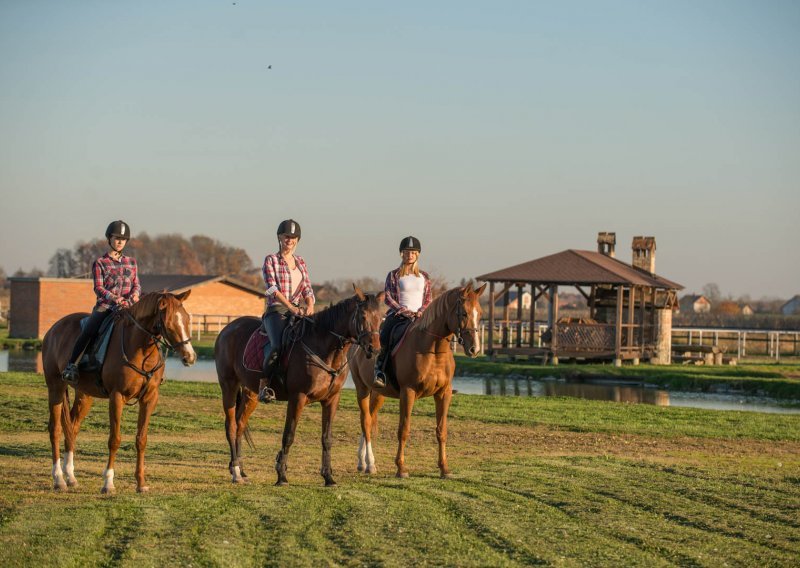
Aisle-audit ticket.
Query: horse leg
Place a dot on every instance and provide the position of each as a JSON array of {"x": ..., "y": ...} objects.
[
  {"x": 442, "y": 399},
  {"x": 229, "y": 402},
  {"x": 407, "y": 397},
  {"x": 293, "y": 410},
  {"x": 115, "y": 405},
  {"x": 146, "y": 408},
  {"x": 328, "y": 412},
  {"x": 80, "y": 408},
  {"x": 364, "y": 440},
  {"x": 246, "y": 407},
  {"x": 56, "y": 401}
]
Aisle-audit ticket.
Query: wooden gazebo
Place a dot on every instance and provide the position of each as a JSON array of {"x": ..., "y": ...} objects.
[{"x": 630, "y": 307}]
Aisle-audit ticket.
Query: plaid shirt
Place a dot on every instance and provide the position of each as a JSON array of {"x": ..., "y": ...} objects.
[
  {"x": 276, "y": 273},
  {"x": 392, "y": 295},
  {"x": 116, "y": 282}
]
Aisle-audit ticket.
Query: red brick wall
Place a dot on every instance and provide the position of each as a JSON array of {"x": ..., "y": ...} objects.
[
  {"x": 223, "y": 299},
  {"x": 24, "y": 310},
  {"x": 61, "y": 297}
]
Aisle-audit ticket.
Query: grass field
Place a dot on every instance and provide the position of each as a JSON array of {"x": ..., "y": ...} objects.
[{"x": 536, "y": 481}]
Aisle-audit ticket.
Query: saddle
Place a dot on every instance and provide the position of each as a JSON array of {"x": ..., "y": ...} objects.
[
  {"x": 396, "y": 339},
  {"x": 257, "y": 345},
  {"x": 95, "y": 354}
]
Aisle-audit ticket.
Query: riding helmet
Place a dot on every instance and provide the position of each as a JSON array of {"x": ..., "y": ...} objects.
[
  {"x": 289, "y": 227},
  {"x": 119, "y": 229},
  {"x": 410, "y": 243}
]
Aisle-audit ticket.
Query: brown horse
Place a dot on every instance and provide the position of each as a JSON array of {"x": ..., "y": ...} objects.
[
  {"x": 424, "y": 366},
  {"x": 316, "y": 369},
  {"x": 132, "y": 371}
]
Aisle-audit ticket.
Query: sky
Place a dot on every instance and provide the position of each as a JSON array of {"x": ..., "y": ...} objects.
[{"x": 495, "y": 132}]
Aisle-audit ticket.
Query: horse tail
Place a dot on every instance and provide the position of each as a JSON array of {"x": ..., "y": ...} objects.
[
  {"x": 248, "y": 436},
  {"x": 66, "y": 420}
]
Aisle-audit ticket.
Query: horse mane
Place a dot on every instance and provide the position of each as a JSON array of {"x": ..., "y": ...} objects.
[
  {"x": 328, "y": 317},
  {"x": 148, "y": 305},
  {"x": 438, "y": 308}
]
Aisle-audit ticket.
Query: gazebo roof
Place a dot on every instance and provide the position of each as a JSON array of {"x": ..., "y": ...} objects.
[{"x": 581, "y": 267}]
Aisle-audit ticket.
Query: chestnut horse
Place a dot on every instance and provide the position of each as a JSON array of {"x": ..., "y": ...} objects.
[
  {"x": 316, "y": 370},
  {"x": 424, "y": 366},
  {"x": 133, "y": 371}
]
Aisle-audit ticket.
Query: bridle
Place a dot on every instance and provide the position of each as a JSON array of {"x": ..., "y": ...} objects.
[
  {"x": 160, "y": 340},
  {"x": 461, "y": 315}
]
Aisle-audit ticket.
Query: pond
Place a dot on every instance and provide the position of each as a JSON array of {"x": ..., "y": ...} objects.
[{"x": 205, "y": 371}]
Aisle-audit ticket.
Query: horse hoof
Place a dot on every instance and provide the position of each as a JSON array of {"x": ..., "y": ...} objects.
[
  {"x": 330, "y": 483},
  {"x": 60, "y": 486},
  {"x": 107, "y": 491},
  {"x": 142, "y": 489},
  {"x": 72, "y": 482},
  {"x": 360, "y": 468},
  {"x": 446, "y": 475},
  {"x": 238, "y": 480},
  {"x": 371, "y": 469},
  {"x": 281, "y": 483},
  {"x": 402, "y": 474}
]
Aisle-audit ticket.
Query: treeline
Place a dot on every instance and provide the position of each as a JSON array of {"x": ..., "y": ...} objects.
[
  {"x": 737, "y": 321},
  {"x": 162, "y": 254}
]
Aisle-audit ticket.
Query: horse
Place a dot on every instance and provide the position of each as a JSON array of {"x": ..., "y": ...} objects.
[
  {"x": 315, "y": 371},
  {"x": 424, "y": 366},
  {"x": 133, "y": 371}
]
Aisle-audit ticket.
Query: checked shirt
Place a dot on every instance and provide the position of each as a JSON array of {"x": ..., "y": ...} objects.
[
  {"x": 276, "y": 273},
  {"x": 392, "y": 294},
  {"x": 116, "y": 281}
]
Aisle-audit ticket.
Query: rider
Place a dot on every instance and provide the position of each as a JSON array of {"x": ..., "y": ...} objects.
[
  {"x": 408, "y": 293},
  {"x": 116, "y": 284},
  {"x": 286, "y": 278}
]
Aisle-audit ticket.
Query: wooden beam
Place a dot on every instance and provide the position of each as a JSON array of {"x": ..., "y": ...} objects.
[
  {"x": 519, "y": 315},
  {"x": 618, "y": 331},
  {"x": 490, "y": 350}
]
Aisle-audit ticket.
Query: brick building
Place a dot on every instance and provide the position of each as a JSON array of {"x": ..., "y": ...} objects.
[{"x": 37, "y": 303}]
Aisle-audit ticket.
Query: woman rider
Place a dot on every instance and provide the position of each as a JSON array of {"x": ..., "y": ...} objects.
[
  {"x": 286, "y": 278},
  {"x": 408, "y": 293},
  {"x": 116, "y": 284}
]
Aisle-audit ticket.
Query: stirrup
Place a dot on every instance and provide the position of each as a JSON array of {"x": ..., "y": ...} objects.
[
  {"x": 267, "y": 395},
  {"x": 380, "y": 378},
  {"x": 70, "y": 374}
]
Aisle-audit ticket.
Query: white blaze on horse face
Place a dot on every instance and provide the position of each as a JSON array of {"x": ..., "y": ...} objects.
[
  {"x": 184, "y": 336},
  {"x": 476, "y": 333}
]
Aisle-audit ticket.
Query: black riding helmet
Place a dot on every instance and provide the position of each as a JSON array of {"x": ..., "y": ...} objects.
[
  {"x": 289, "y": 227},
  {"x": 119, "y": 229},
  {"x": 410, "y": 243}
]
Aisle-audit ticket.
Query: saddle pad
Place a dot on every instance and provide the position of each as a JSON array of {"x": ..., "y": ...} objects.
[
  {"x": 253, "y": 357},
  {"x": 95, "y": 354},
  {"x": 403, "y": 329}
]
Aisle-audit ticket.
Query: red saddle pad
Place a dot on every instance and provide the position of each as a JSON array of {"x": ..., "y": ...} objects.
[{"x": 254, "y": 351}]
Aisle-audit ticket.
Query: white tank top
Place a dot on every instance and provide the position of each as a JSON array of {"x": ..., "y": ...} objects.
[
  {"x": 297, "y": 278},
  {"x": 411, "y": 290}
]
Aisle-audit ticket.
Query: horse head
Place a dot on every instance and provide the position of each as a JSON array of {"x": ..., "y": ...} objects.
[
  {"x": 467, "y": 317},
  {"x": 366, "y": 321},
  {"x": 163, "y": 316}
]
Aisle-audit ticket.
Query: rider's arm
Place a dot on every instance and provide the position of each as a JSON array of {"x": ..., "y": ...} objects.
[
  {"x": 390, "y": 288},
  {"x": 107, "y": 296}
]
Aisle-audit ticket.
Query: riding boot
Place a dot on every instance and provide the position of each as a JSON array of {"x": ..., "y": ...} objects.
[
  {"x": 70, "y": 374},
  {"x": 380, "y": 369},
  {"x": 265, "y": 392}
]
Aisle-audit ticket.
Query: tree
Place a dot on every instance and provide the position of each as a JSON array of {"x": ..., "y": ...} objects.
[
  {"x": 63, "y": 264},
  {"x": 3, "y": 279},
  {"x": 712, "y": 292}
]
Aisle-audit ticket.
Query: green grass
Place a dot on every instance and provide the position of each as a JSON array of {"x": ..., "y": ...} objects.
[
  {"x": 536, "y": 481},
  {"x": 775, "y": 380}
]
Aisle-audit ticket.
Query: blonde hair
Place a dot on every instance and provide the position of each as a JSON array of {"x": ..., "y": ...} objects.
[{"x": 408, "y": 269}]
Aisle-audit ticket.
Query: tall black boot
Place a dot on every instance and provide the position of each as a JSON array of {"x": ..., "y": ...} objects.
[{"x": 380, "y": 369}]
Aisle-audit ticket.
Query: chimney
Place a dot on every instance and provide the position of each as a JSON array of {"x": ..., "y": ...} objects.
[
  {"x": 644, "y": 253},
  {"x": 606, "y": 243}
]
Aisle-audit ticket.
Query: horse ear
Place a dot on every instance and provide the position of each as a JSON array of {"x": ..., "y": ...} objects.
[
  {"x": 480, "y": 290},
  {"x": 182, "y": 297},
  {"x": 162, "y": 302},
  {"x": 465, "y": 291},
  {"x": 380, "y": 296},
  {"x": 359, "y": 293}
]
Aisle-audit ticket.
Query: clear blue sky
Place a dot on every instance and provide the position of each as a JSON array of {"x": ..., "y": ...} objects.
[{"x": 496, "y": 132}]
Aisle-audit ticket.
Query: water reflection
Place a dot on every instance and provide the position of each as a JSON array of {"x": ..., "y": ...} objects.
[{"x": 205, "y": 371}]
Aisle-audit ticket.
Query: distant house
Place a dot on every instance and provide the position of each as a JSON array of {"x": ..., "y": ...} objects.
[
  {"x": 37, "y": 303},
  {"x": 747, "y": 310},
  {"x": 693, "y": 303},
  {"x": 512, "y": 300},
  {"x": 791, "y": 307}
]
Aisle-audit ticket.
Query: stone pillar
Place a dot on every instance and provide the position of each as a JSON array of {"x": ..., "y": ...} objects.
[{"x": 663, "y": 342}]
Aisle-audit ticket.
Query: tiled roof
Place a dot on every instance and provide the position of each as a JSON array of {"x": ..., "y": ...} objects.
[{"x": 581, "y": 267}]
